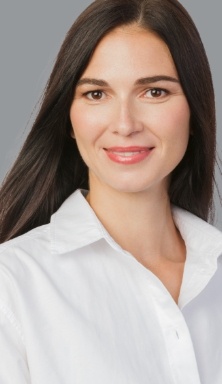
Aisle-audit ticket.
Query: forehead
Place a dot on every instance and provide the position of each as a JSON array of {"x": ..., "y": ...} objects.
[{"x": 131, "y": 48}]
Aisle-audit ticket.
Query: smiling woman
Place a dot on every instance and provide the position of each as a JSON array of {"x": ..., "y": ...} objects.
[
  {"x": 132, "y": 116},
  {"x": 109, "y": 271}
]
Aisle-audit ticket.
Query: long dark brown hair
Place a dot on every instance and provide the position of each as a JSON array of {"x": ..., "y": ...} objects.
[{"x": 49, "y": 167}]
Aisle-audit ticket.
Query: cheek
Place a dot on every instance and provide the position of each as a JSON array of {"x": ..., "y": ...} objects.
[
  {"x": 87, "y": 125},
  {"x": 82, "y": 125},
  {"x": 182, "y": 123},
  {"x": 176, "y": 125}
]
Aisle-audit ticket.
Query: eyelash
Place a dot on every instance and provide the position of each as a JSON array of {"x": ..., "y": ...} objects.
[
  {"x": 98, "y": 91},
  {"x": 158, "y": 90},
  {"x": 86, "y": 94}
]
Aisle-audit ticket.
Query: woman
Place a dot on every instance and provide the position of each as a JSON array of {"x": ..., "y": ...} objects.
[{"x": 112, "y": 272}]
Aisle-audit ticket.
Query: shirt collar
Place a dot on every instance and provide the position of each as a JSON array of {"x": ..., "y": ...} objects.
[
  {"x": 74, "y": 225},
  {"x": 203, "y": 247},
  {"x": 197, "y": 233}
]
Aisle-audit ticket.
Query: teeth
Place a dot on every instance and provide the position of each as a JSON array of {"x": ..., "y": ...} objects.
[{"x": 125, "y": 154}]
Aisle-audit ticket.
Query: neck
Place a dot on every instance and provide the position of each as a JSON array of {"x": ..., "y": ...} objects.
[{"x": 140, "y": 223}]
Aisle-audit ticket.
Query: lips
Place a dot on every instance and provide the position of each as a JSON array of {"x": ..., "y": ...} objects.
[{"x": 128, "y": 155}]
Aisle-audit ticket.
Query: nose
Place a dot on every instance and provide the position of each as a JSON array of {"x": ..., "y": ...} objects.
[{"x": 125, "y": 120}]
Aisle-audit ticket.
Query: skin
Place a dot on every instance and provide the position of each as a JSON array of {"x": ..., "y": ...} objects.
[{"x": 113, "y": 107}]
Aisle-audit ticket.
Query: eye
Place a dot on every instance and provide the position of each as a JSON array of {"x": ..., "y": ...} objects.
[
  {"x": 94, "y": 95},
  {"x": 156, "y": 92}
]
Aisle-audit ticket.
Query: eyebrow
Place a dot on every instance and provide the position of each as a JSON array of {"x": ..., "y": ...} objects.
[
  {"x": 101, "y": 83},
  {"x": 142, "y": 81},
  {"x": 155, "y": 79}
]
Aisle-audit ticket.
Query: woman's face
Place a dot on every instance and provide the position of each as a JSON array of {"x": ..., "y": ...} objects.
[{"x": 130, "y": 116}]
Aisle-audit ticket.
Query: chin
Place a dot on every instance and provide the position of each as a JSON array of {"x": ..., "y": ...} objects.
[{"x": 156, "y": 187}]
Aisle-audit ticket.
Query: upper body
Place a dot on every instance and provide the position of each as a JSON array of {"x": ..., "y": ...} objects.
[
  {"x": 119, "y": 287},
  {"x": 77, "y": 308}
]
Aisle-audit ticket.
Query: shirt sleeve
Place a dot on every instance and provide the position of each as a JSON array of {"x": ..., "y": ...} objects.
[{"x": 13, "y": 362}]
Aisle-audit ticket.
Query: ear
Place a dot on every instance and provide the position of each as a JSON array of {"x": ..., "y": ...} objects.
[{"x": 72, "y": 134}]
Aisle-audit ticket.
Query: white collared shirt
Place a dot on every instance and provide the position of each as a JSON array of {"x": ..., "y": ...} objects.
[{"x": 75, "y": 308}]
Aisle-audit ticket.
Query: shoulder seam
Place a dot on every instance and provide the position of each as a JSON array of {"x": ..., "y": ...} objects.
[{"x": 12, "y": 319}]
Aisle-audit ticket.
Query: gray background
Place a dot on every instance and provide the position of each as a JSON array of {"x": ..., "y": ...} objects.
[{"x": 30, "y": 36}]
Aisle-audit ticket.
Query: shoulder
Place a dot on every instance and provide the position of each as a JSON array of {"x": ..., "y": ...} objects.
[
  {"x": 27, "y": 241},
  {"x": 18, "y": 255},
  {"x": 41, "y": 250}
]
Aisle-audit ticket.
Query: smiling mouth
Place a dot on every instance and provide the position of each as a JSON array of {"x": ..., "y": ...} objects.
[{"x": 128, "y": 155}]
